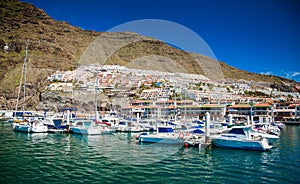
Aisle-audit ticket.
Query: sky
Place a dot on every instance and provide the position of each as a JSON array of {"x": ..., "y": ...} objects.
[{"x": 261, "y": 36}]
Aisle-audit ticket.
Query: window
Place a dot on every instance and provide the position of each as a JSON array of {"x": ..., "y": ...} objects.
[{"x": 237, "y": 131}]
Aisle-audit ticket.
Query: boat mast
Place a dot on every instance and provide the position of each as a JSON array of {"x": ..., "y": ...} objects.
[
  {"x": 96, "y": 98},
  {"x": 21, "y": 79},
  {"x": 184, "y": 102},
  {"x": 25, "y": 66},
  {"x": 175, "y": 106}
]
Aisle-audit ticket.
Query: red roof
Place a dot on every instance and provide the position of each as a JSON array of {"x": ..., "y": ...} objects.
[
  {"x": 212, "y": 105},
  {"x": 293, "y": 105},
  {"x": 262, "y": 105},
  {"x": 240, "y": 106},
  {"x": 139, "y": 101}
]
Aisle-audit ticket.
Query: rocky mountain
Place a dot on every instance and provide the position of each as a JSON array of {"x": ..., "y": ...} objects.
[{"x": 56, "y": 45}]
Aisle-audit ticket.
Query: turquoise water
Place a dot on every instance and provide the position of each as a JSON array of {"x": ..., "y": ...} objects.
[{"x": 62, "y": 158}]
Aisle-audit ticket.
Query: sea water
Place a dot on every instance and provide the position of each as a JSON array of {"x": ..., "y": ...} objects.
[{"x": 118, "y": 158}]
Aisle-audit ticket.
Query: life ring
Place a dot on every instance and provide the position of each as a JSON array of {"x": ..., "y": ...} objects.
[
  {"x": 181, "y": 135},
  {"x": 188, "y": 134}
]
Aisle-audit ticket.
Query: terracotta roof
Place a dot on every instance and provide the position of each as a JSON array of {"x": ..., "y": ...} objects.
[
  {"x": 212, "y": 105},
  {"x": 183, "y": 107},
  {"x": 166, "y": 101},
  {"x": 240, "y": 106},
  {"x": 139, "y": 107},
  {"x": 138, "y": 101},
  {"x": 293, "y": 105},
  {"x": 284, "y": 110},
  {"x": 171, "y": 107},
  {"x": 262, "y": 105}
]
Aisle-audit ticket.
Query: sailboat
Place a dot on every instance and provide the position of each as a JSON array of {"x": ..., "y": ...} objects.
[
  {"x": 89, "y": 127},
  {"x": 27, "y": 124}
]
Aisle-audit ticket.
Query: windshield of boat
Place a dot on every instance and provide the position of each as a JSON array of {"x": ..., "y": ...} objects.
[{"x": 236, "y": 131}]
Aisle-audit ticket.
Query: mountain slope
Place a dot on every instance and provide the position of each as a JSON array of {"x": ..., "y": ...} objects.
[
  {"x": 56, "y": 45},
  {"x": 53, "y": 46}
]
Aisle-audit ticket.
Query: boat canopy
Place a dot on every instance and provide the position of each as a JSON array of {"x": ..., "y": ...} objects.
[
  {"x": 21, "y": 113},
  {"x": 171, "y": 123},
  {"x": 122, "y": 123},
  {"x": 198, "y": 131},
  {"x": 165, "y": 129},
  {"x": 198, "y": 122}
]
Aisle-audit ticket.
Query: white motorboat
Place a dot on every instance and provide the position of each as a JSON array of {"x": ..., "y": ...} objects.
[
  {"x": 165, "y": 135},
  {"x": 194, "y": 140},
  {"x": 241, "y": 137},
  {"x": 30, "y": 127},
  {"x": 87, "y": 127},
  {"x": 55, "y": 123},
  {"x": 128, "y": 126}
]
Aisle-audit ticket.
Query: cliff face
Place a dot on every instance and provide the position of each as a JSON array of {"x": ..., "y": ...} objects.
[{"x": 55, "y": 45}]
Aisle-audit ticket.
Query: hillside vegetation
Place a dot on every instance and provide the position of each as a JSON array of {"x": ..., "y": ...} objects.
[{"x": 56, "y": 45}]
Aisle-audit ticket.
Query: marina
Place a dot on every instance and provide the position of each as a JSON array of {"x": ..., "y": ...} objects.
[
  {"x": 93, "y": 103},
  {"x": 118, "y": 158}
]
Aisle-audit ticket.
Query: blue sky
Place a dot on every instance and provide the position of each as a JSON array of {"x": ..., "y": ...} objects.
[{"x": 261, "y": 36}]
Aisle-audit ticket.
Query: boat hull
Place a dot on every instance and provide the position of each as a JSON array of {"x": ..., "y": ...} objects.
[
  {"x": 162, "y": 140},
  {"x": 194, "y": 141},
  {"x": 87, "y": 131},
  {"x": 22, "y": 128},
  {"x": 238, "y": 144},
  {"x": 30, "y": 129}
]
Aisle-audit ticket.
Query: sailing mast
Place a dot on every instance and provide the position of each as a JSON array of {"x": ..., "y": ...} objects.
[
  {"x": 23, "y": 73},
  {"x": 96, "y": 98},
  {"x": 175, "y": 105},
  {"x": 24, "y": 87}
]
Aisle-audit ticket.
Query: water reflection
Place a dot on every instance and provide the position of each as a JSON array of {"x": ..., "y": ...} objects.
[
  {"x": 120, "y": 159},
  {"x": 124, "y": 149}
]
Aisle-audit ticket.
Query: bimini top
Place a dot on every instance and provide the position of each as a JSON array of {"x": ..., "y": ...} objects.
[{"x": 165, "y": 129}]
